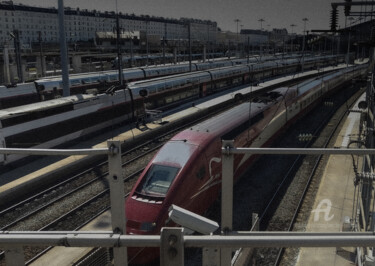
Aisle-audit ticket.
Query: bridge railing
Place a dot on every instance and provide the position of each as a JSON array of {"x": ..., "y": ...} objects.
[{"x": 172, "y": 241}]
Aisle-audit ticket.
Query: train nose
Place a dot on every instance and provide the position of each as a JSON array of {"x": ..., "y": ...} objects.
[
  {"x": 143, "y": 256},
  {"x": 140, "y": 228}
]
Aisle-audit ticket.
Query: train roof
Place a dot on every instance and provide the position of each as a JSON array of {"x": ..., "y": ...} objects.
[
  {"x": 224, "y": 123},
  {"x": 150, "y": 82},
  {"x": 40, "y": 106},
  {"x": 310, "y": 83}
]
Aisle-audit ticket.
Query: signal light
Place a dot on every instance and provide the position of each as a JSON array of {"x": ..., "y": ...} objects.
[{"x": 334, "y": 19}]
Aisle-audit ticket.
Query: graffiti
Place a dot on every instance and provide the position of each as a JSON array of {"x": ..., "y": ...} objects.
[
  {"x": 324, "y": 207},
  {"x": 213, "y": 180}
]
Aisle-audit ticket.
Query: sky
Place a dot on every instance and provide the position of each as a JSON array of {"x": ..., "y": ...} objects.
[{"x": 275, "y": 13}]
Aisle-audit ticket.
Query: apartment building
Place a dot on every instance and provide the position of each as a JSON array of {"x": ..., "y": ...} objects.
[{"x": 36, "y": 24}]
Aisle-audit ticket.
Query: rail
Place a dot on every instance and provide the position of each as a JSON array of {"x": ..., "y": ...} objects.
[{"x": 172, "y": 241}]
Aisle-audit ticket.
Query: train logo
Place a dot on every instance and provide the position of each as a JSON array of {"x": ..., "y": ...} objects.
[{"x": 214, "y": 179}]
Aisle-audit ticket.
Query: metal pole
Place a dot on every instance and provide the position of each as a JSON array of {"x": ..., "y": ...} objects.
[
  {"x": 63, "y": 51},
  {"x": 18, "y": 55},
  {"x": 117, "y": 196},
  {"x": 237, "y": 20},
  {"x": 172, "y": 246},
  {"x": 304, "y": 33},
  {"x": 291, "y": 48},
  {"x": 348, "y": 52},
  {"x": 119, "y": 55},
  {"x": 227, "y": 198},
  {"x": 131, "y": 52},
  {"x": 14, "y": 256},
  {"x": 189, "y": 32},
  {"x": 41, "y": 53},
  {"x": 147, "y": 43},
  {"x": 164, "y": 41},
  {"x": 6, "y": 65},
  {"x": 309, "y": 151},
  {"x": 248, "y": 49},
  {"x": 208, "y": 42},
  {"x": 57, "y": 152}
]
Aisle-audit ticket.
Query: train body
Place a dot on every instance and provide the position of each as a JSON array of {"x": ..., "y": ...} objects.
[
  {"x": 50, "y": 88},
  {"x": 186, "y": 171},
  {"x": 168, "y": 91},
  {"x": 54, "y": 122}
]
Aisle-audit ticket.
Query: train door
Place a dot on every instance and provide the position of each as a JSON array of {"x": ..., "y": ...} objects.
[{"x": 203, "y": 90}]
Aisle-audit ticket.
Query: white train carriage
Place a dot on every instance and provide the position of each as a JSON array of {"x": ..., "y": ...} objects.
[
  {"x": 51, "y": 123},
  {"x": 162, "y": 92}
]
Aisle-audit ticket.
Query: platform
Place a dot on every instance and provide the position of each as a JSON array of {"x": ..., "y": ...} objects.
[{"x": 334, "y": 201}]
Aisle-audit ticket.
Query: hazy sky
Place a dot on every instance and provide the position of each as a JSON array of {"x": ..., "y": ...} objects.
[{"x": 276, "y": 13}]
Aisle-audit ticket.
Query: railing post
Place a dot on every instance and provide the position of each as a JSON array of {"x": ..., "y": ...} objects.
[
  {"x": 172, "y": 247},
  {"x": 117, "y": 196},
  {"x": 226, "y": 198},
  {"x": 14, "y": 256},
  {"x": 210, "y": 256}
]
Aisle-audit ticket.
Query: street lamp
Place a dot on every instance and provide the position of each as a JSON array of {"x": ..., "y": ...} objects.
[
  {"x": 63, "y": 50},
  {"x": 16, "y": 38},
  {"x": 237, "y": 20},
  {"x": 304, "y": 33},
  {"x": 350, "y": 29},
  {"x": 261, "y": 28},
  {"x": 292, "y": 25},
  {"x": 119, "y": 55},
  {"x": 261, "y": 23}
]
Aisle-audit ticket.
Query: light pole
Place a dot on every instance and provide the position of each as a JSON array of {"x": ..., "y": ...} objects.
[
  {"x": 269, "y": 37},
  {"x": 261, "y": 28},
  {"x": 189, "y": 36},
  {"x": 261, "y": 23},
  {"x": 291, "y": 48},
  {"x": 16, "y": 38},
  {"x": 64, "y": 51},
  {"x": 304, "y": 33},
  {"x": 350, "y": 29},
  {"x": 237, "y": 21},
  {"x": 147, "y": 22},
  {"x": 119, "y": 55}
]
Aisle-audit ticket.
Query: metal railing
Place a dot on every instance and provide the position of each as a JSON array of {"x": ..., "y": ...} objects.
[{"x": 172, "y": 241}]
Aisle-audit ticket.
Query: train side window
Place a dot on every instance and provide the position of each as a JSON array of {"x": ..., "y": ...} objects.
[{"x": 201, "y": 173}]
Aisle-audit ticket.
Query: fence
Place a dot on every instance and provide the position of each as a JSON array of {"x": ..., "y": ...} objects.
[{"x": 172, "y": 241}]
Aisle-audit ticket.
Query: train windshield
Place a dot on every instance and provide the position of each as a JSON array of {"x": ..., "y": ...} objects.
[{"x": 158, "y": 180}]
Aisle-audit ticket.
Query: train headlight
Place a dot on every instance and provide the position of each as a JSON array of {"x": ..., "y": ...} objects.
[{"x": 148, "y": 226}]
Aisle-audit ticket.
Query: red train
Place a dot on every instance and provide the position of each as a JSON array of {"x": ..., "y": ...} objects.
[{"x": 187, "y": 170}]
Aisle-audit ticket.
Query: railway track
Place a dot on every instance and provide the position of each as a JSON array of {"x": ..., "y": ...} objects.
[
  {"x": 72, "y": 203},
  {"x": 77, "y": 200},
  {"x": 84, "y": 193},
  {"x": 282, "y": 210}
]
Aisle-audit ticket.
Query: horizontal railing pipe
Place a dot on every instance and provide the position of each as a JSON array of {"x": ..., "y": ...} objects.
[
  {"x": 55, "y": 152},
  {"x": 290, "y": 151},
  {"x": 263, "y": 239}
]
